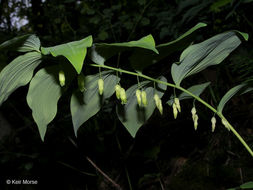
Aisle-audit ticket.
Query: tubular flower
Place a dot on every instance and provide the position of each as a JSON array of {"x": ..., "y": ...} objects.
[
  {"x": 62, "y": 78},
  {"x": 175, "y": 112},
  {"x": 156, "y": 98},
  {"x": 193, "y": 111},
  {"x": 100, "y": 86},
  {"x": 144, "y": 98},
  {"x": 138, "y": 96},
  {"x": 195, "y": 121},
  {"x": 80, "y": 81},
  {"x": 160, "y": 106},
  {"x": 123, "y": 96},
  {"x": 176, "y": 101},
  {"x": 213, "y": 121},
  {"x": 225, "y": 123},
  {"x": 117, "y": 91}
]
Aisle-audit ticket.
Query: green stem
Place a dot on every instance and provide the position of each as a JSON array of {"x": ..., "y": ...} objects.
[{"x": 183, "y": 90}]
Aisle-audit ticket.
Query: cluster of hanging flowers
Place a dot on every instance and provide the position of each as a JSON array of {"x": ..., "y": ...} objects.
[
  {"x": 121, "y": 94},
  {"x": 158, "y": 103}
]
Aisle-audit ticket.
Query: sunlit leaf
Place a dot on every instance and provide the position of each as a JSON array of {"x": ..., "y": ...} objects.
[
  {"x": 199, "y": 56},
  {"x": 85, "y": 105},
  {"x": 43, "y": 95},
  {"x": 32, "y": 43},
  {"x": 248, "y": 185},
  {"x": 75, "y": 51},
  {"x": 196, "y": 90},
  {"x": 239, "y": 89},
  {"x": 18, "y": 73},
  {"x": 103, "y": 51},
  {"x": 131, "y": 115},
  {"x": 149, "y": 58}
]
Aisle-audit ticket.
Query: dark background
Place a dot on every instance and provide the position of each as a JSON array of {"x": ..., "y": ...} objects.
[{"x": 166, "y": 153}]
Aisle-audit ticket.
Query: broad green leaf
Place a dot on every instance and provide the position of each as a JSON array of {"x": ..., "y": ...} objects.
[
  {"x": 75, "y": 51},
  {"x": 131, "y": 115},
  {"x": 199, "y": 56},
  {"x": 196, "y": 90},
  {"x": 14, "y": 43},
  {"x": 239, "y": 89},
  {"x": 248, "y": 185},
  {"x": 100, "y": 52},
  {"x": 85, "y": 105},
  {"x": 18, "y": 73},
  {"x": 149, "y": 58},
  {"x": 32, "y": 43},
  {"x": 43, "y": 95}
]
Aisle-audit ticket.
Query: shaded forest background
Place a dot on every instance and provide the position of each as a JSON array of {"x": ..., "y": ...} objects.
[{"x": 166, "y": 153}]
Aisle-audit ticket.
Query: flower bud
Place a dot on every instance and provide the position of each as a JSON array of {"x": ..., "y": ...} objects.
[
  {"x": 123, "y": 96},
  {"x": 138, "y": 96},
  {"x": 100, "y": 86},
  {"x": 175, "y": 112},
  {"x": 176, "y": 101},
  {"x": 195, "y": 121},
  {"x": 117, "y": 91},
  {"x": 80, "y": 81},
  {"x": 144, "y": 98},
  {"x": 62, "y": 78},
  {"x": 225, "y": 123},
  {"x": 160, "y": 106},
  {"x": 193, "y": 111},
  {"x": 213, "y": 121}
]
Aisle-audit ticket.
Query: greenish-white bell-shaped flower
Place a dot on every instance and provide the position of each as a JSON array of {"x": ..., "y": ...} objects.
[
  {"x": 80, "y": 81},
  {"x": 193, "y": 111},
  {"x": 123, "y": 96},
  {"x": 175, "y": 111},
  {"x": 225, "y": 123},
  {"x": 138, "y": 96},
  {"x": 195, "y": 121},
  {"x": 177, "y": 102},
  {"x": 62, "y": 78},
  {"x": 100, "y": 86},
  {"x": 117, "y": 91},
  {"x": 144, "y": 98},
  {"x": 213, "y": 121},
  {"x": 160, "y": 106}
]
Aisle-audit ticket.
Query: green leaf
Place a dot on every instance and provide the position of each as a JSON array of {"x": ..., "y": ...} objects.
[
  {"x": 248, "y": 185},
  {"x": 102, "y": 51},
  {"x": 32, "y": 43},
  {"x": 75, "y": 51},
  {"x": 131, "y": 115},
  {"x": 17, "y": 73},
  {"x": 196, "y": 90},
  {"x": 27, "y": 42},
  {"x": 199, "y": 56},
  {"x": 149, "y": 58},
  {"x": 239, "y": 89},
  {"x": 85, "y": 105},
  {"x": 43, "y": 95}
]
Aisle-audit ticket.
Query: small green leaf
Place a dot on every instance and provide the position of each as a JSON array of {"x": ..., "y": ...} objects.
[
  {"x": 131, "y": 115},
  {"x": 248, "y": 185},
  {"x": 197, "y": 57},
  {"x": 18, "y": 73},
  {"x": 196, "y": 90},
  {"x": 103, "y": 51},
  {"x": 75, "y": 51},
  {"x": 85, "y": 105},
  {"x": 239, "y": 89},
  {"x": 43, "y": 95},
  {"x": 149, "y": 58}
]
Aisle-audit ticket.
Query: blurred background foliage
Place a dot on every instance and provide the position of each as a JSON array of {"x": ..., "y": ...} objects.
[{"x": 167, "y": 153}]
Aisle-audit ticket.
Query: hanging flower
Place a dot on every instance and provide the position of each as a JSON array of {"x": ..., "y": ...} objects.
[
  {"x": 213, "y": 121},
  {"x": 144, "y": 98},
  {"x": 195, "y": 121},
  {"x": 80, "y": 81},
  {"x": 100, "y": 86},
  {"x": 117, "y": 91},
  {"x": 175, "y": 112},
  {"x": 138, "y": 96},
  {"x": 193, "y": 111},
  {"x": 176, "y": 101},
  {"x": 62, "y": 78},
  {"x": 123, "y": 96}
]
